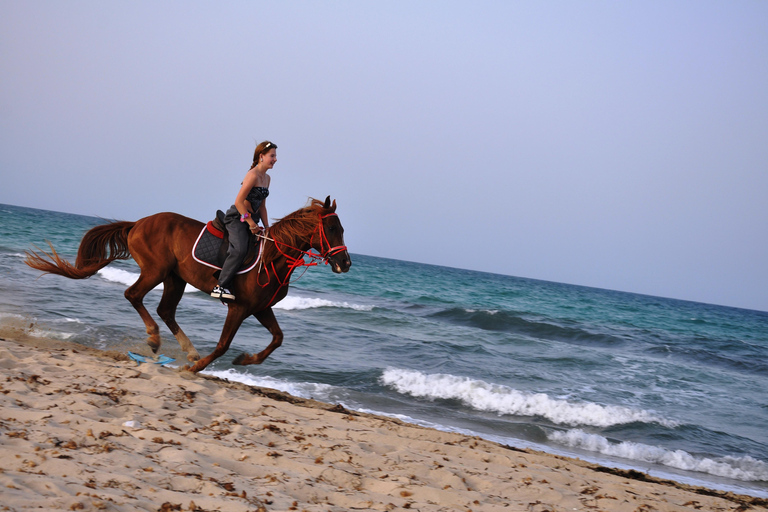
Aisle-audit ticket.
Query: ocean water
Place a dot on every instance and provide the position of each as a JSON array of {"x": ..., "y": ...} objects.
[{"x": 673, "y": 388}]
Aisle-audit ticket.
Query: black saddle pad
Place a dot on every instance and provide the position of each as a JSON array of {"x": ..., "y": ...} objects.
[{"x": 211, "y": 245}]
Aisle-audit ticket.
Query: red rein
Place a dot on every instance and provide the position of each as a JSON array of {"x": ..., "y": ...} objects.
[{"x": 294, "y": 263}]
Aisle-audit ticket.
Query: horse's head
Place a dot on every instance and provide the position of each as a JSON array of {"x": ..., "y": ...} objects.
[{"x": 330, "y": 243}]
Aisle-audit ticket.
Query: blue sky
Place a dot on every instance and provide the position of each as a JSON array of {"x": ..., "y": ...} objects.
[{"x": 620, "y": 145}]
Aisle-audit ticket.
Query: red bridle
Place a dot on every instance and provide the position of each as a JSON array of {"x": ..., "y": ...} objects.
[
  {"x": 295, "y": 262},
  {"x": 332, "y": 251}
]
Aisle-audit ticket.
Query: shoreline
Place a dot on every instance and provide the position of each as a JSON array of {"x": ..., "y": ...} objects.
[{"x": 86, "y": 429}]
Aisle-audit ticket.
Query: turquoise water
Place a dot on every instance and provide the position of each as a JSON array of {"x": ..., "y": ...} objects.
[{"x": 669, "y": 387}]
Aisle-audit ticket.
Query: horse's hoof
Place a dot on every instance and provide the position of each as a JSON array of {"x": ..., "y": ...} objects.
[
  {"x": 193, "y": 357},
  {"x": 192, "y": 368},
  {"x": 239, "y": 359}
]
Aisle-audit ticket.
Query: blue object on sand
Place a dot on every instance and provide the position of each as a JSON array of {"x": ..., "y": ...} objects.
[{"x": 161, "y": 359}]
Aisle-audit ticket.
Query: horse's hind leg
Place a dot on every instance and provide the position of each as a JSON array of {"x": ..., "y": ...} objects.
[
  {"x": 135, "y": 295},
  {"x": 173, "y": 291}
]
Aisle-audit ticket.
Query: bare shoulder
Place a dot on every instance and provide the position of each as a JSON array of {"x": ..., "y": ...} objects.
[{"x": 251, "y": 179}]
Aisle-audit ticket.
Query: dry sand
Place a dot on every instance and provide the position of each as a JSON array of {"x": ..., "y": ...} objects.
[{"x": 82, "y": 429}]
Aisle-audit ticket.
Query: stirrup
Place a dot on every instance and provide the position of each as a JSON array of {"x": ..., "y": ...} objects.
[{"x": 223, "y": 294}]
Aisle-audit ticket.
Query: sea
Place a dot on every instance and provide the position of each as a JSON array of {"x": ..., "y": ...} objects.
[{"x": 671, "y": 388}]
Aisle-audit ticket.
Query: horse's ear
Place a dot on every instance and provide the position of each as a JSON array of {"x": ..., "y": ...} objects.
[
  {"x": 327, "y": 202},
  {"x": 333, "y": 206}
]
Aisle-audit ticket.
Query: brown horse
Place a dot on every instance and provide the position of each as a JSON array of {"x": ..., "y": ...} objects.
[{"x": 162, "y": 245}]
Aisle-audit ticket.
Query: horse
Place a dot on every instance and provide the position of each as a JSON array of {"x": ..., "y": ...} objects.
[{"x": 161, "y": 245}]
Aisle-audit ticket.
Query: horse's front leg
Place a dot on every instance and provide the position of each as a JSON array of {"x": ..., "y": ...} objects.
[
  {"x": 268, "y": 320},
  {"x": 235, "y": 317}
]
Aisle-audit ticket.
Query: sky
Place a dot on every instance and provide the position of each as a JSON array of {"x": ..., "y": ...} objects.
[{"x": 618, "y": 145}]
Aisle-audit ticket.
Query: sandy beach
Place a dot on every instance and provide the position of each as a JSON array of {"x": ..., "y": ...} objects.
[{"x": 82, "y": 429}]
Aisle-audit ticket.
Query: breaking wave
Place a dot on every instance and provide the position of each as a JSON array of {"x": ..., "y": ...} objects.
[
  {"x": 483, "y": 396},
  {"x": 738, "y": 468},
  {"x": 297, "y": 303},
  {"x": 314, "y": 390}
]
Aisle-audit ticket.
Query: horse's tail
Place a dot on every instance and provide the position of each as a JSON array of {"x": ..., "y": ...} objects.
[{"x": 100, "y": 246}]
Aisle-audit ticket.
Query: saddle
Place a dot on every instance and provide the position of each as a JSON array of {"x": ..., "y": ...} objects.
[{"x": 211, "y": 246}]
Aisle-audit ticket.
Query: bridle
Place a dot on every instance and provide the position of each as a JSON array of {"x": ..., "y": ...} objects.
[
  {"x": 295, "y": 262},
  {"x": 332, "y": 251}
]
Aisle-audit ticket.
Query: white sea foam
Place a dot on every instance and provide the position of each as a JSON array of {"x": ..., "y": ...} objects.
[
  {"x": 37, "y": 332},
  {"x": 738, "y": 468},
  {"x": 297, "y": 303},
  {"x": 483, "y": 396},
  {"x": 117, "y": 275},
  {"x": 5, "y": 316},
  {"x": 301, "y": 389},
  {"x": 29, "y": 326}
]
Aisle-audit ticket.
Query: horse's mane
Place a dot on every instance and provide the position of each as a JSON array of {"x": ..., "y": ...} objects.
[{"x": 292, "y": 229}]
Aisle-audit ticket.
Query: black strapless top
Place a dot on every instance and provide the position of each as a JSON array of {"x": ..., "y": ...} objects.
[{"x": 256, "y": 196}]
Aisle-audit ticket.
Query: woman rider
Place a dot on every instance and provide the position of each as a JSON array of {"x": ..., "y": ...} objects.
[{"x": 250, "y": 206}]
